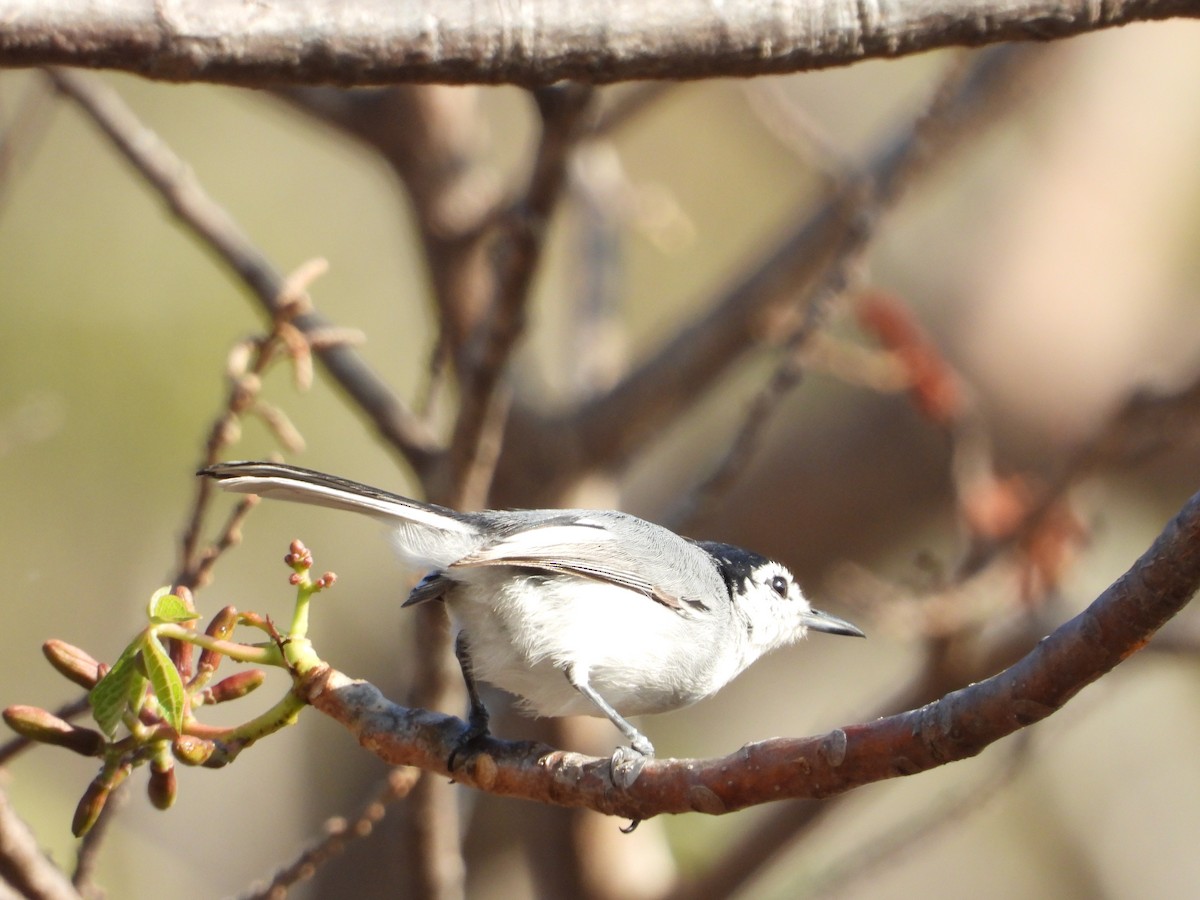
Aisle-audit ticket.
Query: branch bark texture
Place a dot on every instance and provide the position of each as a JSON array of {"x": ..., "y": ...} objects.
[
  {"x": 957, "y": 726},
  {"x": 534, "y": 42}
]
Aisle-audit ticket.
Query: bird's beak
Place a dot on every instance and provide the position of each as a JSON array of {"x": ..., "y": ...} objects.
[{"x": 822, "y": 621}]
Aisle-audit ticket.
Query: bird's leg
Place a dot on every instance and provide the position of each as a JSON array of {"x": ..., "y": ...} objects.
[
  {"x": 627, "y": 762},
  {"x": 477, "y": 718}
]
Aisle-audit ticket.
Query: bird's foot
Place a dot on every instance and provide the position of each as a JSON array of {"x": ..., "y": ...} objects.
[
  {"x": 468, "y": 742},
  {"x": 627, "y": 762}
]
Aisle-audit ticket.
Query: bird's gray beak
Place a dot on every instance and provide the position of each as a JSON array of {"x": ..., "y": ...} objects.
[{"x": 822, "y": 621}]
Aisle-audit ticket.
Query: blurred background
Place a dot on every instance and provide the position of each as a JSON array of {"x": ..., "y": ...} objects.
[{"x": 1050, "y": 259}]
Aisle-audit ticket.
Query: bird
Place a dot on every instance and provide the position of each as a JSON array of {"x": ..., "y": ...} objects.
[{"x": 573, "y": 611}]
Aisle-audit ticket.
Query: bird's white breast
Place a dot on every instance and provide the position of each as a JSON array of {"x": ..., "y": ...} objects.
[{"x": 525, "y": 632}]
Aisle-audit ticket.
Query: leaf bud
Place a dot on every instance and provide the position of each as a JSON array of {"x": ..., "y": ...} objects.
[
  {"x": 191, "y": 750},
  {"x": 37, "y": 724},
  {"x": 220, "y": 628},
  {"x": 72, "y": 663},
  {"x": 235, "y": 686},
  {"x": 162, "y": 785}
]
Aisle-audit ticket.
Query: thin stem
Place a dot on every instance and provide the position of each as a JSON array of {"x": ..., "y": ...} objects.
[{"x": 259, "y": 655}]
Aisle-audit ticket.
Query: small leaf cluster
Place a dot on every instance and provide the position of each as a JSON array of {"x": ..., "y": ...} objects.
[{"x": 144, "y": 704}]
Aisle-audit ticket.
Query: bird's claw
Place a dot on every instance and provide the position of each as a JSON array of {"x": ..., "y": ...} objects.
[
  {"x": 468, "y": 741},
  {"x": 627, "y": 762}
]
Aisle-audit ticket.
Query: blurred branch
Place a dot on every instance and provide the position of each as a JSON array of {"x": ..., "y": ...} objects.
[
  {"x": 535, "y": 42},
  {"x": 611, "y": 428},
  {"x": 170, "y": 176},
  {"x": 788, "y": 373},
  {"x": 428, "y": 136},
  {"x": 338, "y": 833},
  {"x": 247, "y": 364},
  {"x": 1146, "y": 425},
  {"x": 519, "y": 243},
  {"x": 23, "y": 866},
  {"x": 23, "y": 129},
  {"x": 629, "y": 103},
  {"x": 876, "y": 851},
  {"x": 957, "y": 726}
]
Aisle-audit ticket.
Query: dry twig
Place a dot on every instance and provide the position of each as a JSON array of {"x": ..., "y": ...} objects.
[{"x": 170, "y": 176}]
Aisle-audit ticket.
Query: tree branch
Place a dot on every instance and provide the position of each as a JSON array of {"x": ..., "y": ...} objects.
[
  {"x": 958, "y": 726},
  {"x": 171, "y": 177},
  {"x": 609, "y": 429},
  {"x": 429, "y": 137},
  {"x": 535, "y": 42},
  {"x": 23, "y": 866},
  {"x": 519, "y": 248}
]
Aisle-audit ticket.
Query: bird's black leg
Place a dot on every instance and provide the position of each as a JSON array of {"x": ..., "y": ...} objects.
[{"x": 477, "y": 718}]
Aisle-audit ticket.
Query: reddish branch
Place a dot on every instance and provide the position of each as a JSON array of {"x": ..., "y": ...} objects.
[
  {"x": 957, "y": 726},
  {"x": 533, "y": 42}
]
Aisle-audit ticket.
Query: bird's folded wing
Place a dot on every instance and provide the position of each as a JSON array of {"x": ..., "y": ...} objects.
[{"x": 585, "y": 549}]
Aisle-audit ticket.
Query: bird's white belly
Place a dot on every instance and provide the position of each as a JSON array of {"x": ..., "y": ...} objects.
[{"x": 525, "y": 634}]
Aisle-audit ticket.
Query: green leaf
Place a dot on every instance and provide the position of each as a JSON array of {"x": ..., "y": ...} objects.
[
  {"x": 118, "y": 691},
  {"x": 164, "y": 680},
  {"x": 166, "y": 607}
]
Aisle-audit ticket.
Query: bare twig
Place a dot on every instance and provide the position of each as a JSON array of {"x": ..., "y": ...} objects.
[
  {"x": 430, "y": 136},
  {"x": 1146, "y": 425},
  {"x": 520, "y": 240},
  {"x": 786, "y": 376},
  {"x": 534, "y": 42},
  {"x": 247, "y": 364},
  {"x": 23, "y": 128},
  {"x": 338, "y": 833},
  {"x": 879, "y": 850},
  {"x": 23, "y": 866},
  {"x": 167, "y": 174},
  {"x": 957, "y": 726},
  {"x": 630, "y": 103},
  {"x": 613, "y": 427},
  {"x": 198, "y": 571}
]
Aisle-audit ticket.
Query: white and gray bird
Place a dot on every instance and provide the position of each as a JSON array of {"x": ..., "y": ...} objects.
[{"x": 574, "y": 611}]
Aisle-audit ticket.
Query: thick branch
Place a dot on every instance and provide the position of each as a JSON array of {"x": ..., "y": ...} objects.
[
  {"x": 958, "y": 726},
  {"x": 534, "y": 42}
]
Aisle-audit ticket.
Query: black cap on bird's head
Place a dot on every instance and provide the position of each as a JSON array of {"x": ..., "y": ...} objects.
[{"x": 742, "y": 568}]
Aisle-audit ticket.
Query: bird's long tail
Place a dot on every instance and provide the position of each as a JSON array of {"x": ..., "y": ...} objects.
[{"x": 426, "y": 534}]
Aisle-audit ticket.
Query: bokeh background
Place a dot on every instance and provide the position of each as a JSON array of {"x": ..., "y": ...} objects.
[{"x": 1053, "y": 261}]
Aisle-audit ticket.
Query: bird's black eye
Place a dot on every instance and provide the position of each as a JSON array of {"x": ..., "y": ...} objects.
[{"x": 779, "y": 585}]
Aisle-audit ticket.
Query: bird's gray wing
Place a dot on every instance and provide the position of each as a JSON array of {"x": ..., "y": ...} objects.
[{"x": 611, "y": 547}]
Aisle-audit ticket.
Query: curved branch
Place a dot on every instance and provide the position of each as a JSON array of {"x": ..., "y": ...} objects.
[
  {"x": 958, "y": 726},
  {"x": 534, "y": 42}
]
